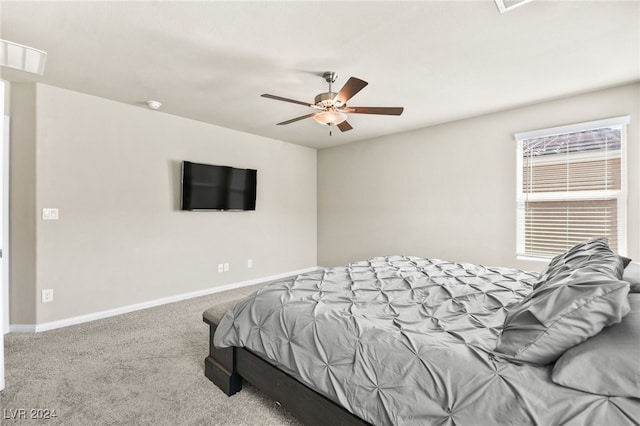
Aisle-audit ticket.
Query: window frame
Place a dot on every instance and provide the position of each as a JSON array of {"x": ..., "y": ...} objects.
[{"x": 620, "y": 195}]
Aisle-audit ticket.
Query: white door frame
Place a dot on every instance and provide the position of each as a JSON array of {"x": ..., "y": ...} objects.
[
  {"x": 2, "y": 296},
  {"x": 4, "y": 243}
]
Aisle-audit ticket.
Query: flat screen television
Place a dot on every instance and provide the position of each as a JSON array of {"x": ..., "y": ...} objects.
[{"x": 209, "y": 187}]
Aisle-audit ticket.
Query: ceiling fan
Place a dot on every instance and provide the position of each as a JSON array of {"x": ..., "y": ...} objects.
[{"x": 331, "y": 108}]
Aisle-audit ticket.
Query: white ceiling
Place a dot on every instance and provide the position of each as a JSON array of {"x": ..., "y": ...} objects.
[{"x": 441, "y": 60}]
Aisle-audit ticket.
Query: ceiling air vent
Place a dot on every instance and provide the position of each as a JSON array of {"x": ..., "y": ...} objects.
[
  {"x": 23, "y": 58},
  {"x": 507, "y": 5}
]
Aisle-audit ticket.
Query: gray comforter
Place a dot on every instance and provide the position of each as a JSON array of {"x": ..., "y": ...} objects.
[{"x": 408, "y": 340}]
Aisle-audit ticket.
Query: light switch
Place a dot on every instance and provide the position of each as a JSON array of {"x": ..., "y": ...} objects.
[
  {"x": 49, "y": 214},
  {"x": 47, "y": 295}
]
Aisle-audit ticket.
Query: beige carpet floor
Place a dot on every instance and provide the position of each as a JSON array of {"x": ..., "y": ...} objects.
[{"x": 141, "y": 368}]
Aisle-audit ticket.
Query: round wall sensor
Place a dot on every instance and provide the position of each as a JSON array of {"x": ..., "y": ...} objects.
[{"x": 154, "y": 104}]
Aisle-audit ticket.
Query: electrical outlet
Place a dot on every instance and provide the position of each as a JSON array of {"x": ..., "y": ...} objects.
[
  {"x": 49, "y": 214},
  {"x": 226, "y": 267},
  {"x": 47, "y": 295},
  {"x": 250, "y": 263},
  {"x": 220, "y": 267}
]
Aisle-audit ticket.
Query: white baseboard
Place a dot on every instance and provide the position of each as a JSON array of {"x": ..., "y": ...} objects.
[
  {"x": 36, "y": 328},
  {"x": 22, "y": 328}
]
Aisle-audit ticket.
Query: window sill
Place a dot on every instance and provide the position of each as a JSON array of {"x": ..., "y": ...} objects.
[{"x": 534, "y": 259}]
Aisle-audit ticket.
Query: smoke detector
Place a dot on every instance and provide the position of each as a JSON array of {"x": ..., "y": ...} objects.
[
  {"x": 154, "y": 105},
  {"x": 507, "y": 5}
]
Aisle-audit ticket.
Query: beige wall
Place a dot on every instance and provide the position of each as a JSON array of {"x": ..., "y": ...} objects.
[
  {"x": 22, "y": 205},
  {"x": 113, "y": 170},
  {"x": 448, "y": 191}
]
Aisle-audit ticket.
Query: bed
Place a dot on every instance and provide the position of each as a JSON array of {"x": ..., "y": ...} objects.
[{"x": 402, "y": 340}]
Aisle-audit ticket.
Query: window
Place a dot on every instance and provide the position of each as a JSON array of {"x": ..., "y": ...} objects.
[{"x": 571, "y": 186}]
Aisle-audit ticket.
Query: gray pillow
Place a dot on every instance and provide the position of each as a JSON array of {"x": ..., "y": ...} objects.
[
  {"x": 595, "y": 252},
  {"x": 632, "y": 276},
  {"x": 607, "y": 363},
  {"x": 562, "y": 313}
]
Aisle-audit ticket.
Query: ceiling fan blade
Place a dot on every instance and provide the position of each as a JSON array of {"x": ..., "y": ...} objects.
[
  {"x": 344, "y": 126},
  {"x": 296, "y": 119},
  {"x": 280, "y": 98},
  {"x": 350, "y": 88},
  {"x": 375, "y": 110}
]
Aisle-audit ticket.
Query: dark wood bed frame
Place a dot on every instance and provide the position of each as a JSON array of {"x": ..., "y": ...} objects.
[{"x": 228, "y": 367}]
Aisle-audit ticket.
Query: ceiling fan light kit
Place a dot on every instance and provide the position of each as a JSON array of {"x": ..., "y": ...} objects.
[
  {"x": 332, "y": 107},
  {"x": 330, "y": 117}
]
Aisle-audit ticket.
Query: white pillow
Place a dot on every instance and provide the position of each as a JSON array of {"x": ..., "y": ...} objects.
[
  {"x": 607, "y": 363},
  {"x": 632, "y": 276}
]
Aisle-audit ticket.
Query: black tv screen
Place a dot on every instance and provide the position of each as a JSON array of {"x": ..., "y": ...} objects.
[{"x": 209, "y": 187}]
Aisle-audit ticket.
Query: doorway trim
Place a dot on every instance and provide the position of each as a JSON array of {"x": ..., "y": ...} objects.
[{"x": 4, "y": 244}]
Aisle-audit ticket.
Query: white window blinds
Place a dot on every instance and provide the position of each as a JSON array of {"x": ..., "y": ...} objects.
[{"x": 571, "y": 187}]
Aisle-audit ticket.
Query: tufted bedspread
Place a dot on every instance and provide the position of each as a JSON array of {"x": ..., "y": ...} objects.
[{"x": 408, "y": 340}]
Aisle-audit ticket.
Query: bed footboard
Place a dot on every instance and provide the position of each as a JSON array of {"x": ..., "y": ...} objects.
[{"x": 227, "y": 367}]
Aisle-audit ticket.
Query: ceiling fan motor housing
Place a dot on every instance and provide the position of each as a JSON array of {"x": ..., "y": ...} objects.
[{"x": 325, "y": 100}]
